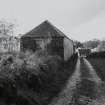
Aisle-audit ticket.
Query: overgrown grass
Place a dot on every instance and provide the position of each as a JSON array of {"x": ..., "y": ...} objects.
[
  {"x": 32, "y": 78},
  {"x": 100, "y": 54},
  {"x": 99, "y": 66},
  {"x": 97, "y": 59}
]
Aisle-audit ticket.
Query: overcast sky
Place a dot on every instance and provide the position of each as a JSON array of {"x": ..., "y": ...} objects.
[{"x": 79, "y": 19}]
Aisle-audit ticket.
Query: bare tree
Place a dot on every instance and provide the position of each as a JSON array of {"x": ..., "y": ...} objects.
[
  {"x": 6, "y": 28},
  {"x": 78, "y": 44},
  {"x": 8, "y": 40}
]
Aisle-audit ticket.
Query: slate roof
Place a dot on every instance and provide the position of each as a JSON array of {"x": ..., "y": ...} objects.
[{"x": 44, "y": 30}]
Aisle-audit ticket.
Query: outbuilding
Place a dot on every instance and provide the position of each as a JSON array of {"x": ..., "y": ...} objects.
[{"x": 47, "y": 37}]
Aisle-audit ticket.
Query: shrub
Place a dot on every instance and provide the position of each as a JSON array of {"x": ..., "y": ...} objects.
[
  {"x": 38, "y": 72},
  {"x": 97, "y": 55}
]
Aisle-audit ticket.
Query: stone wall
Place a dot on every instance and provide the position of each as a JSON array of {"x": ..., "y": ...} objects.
[
  {"x": 53, "y": 46},
  {"x": 27, "y": 44}
]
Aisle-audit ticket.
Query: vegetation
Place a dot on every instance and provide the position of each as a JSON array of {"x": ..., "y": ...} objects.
[
  {"x": 98, "y": 64},
  {"x": 97, "y": 59},
  {"x": 78, "y": 44},
  {"x": 97, "y": 55},
  {"x": 6, "y": 28},
  {"x": 91, "y": 43},
  {"x": 32, "y": 78}
]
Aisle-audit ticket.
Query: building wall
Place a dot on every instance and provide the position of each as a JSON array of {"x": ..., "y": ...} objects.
[
  {"x": 68, "y": 48},
  {"x": 53, "y": 46},
  {"x": 27, "y": 43}
]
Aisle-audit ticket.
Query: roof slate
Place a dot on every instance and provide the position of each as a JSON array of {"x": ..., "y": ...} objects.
[{"x": 45, "y": 29}]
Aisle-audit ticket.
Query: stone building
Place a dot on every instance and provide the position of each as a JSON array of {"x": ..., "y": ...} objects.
[{"x": 47, "y": 37}]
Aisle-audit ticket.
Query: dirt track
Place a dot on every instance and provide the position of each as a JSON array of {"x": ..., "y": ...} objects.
[{"x": 84, "y": 87}]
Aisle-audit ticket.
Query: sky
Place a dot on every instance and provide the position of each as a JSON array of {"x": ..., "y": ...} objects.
[{"x": 79, "y": 19}]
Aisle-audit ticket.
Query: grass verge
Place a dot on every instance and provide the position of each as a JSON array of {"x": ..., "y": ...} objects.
[{"x": 99, "y": 66}]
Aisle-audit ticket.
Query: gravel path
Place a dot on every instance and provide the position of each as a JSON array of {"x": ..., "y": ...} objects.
[{"x": 83, "y": 88}]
